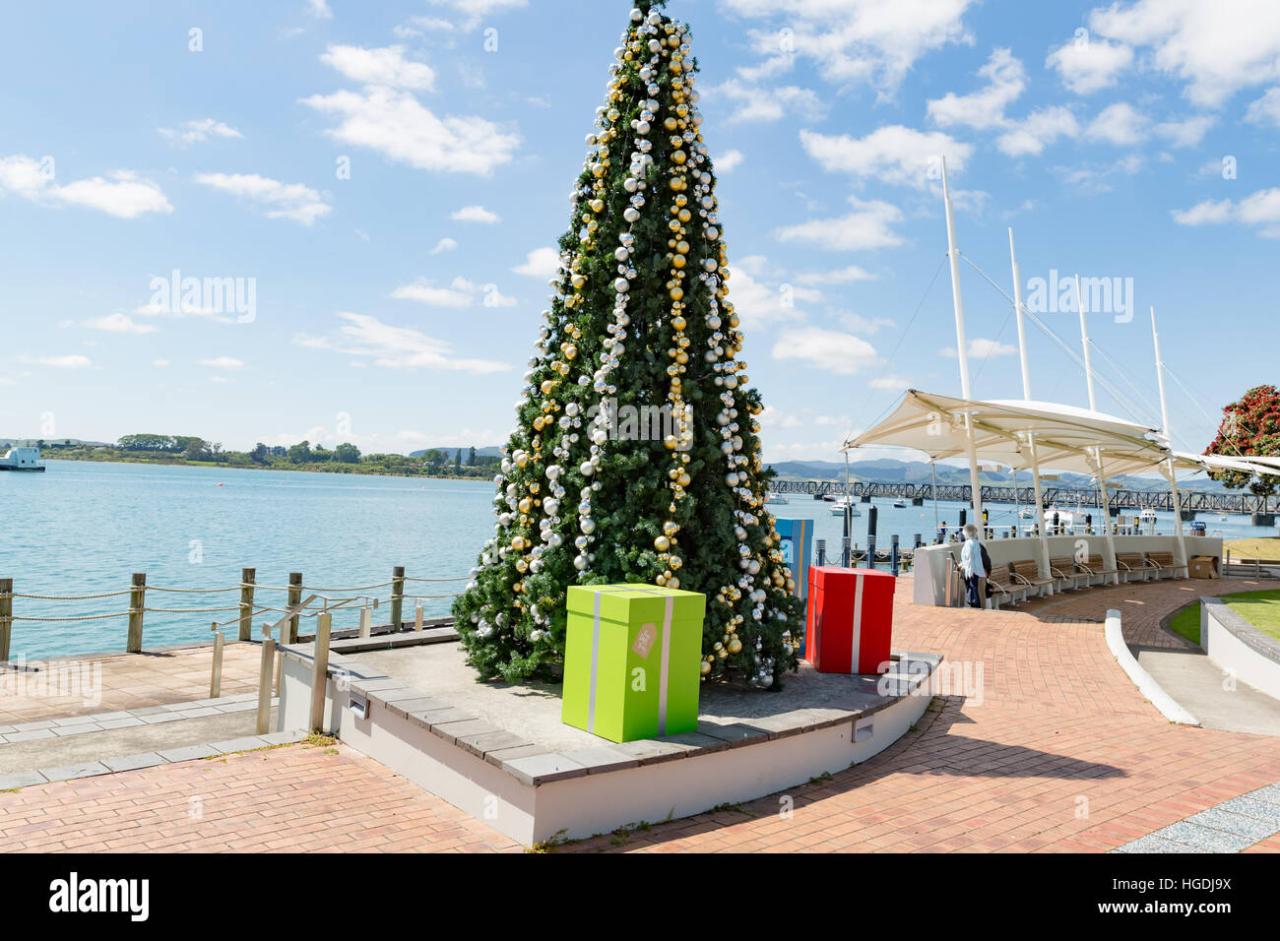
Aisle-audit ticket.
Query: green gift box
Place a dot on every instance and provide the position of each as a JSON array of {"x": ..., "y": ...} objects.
[{"x": 632, "y": 661}]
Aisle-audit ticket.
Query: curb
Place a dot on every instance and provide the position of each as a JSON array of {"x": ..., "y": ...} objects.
[{"x": 1145, "y": 682}]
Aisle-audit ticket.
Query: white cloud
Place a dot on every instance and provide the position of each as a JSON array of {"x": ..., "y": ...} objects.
[
  {"x": 1087, "y": 65},
  {"x": 983, "y": 348},
  {"x": 459, "y": 294},
  {"x": 420, "y": 25},
  {"x": 980, "y": 110},
  {"x": 68, "y": 361},
  {"x": 854, "y": 41},
  {"x": 1188, "y": 132},
  {"x": 846, "y": 275},
  {"x": 474, "y": 12},
  {"x": 292, "y": 201},
  {"x": 828, "y": 350},
  {"x": 890, "y": 383},
  {"x": 542, "y": 263},
  {"x": 476, "y": 214},
  {"x": 755, "y": 104},
  {"x": 1260, "y": 209},
  {"x": 160, "y": 363},
  {"x": 119, "y": 323},
  {"x": 319, "y": 9},
  {"x": 1031, "y": 135},
  {"x": 1120, "y": 124},
  {"x": 759, "y": 299},
  {"x": 394, "y": 347},
  {"x": 1094, "y": 178},
  {"x": 397, "y": 125},
  {"x": 869, "y": 226},
  {"x": 386, "y": 67},
  {"x": 865, "y": 325},
  {"x": 893, "y": 154},
  {"x": 1217, "y": 48},
  {"x": 198, "y": 131},
  {"x": 124, "y": 195},
  {"x": 222, "y": 362},
  {"x": 729, "y": 161},
  {"x": 1266, "y": 110},
  {"x": 445, "y": 245}
]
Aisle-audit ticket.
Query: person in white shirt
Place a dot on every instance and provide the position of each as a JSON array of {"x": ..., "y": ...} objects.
[{"x": 971, "y": 565}]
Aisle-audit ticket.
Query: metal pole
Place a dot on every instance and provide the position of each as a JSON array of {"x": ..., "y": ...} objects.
[
  {"x": 822, "y": 553},
  {"x": 289, "y": 635},
  {"x": 320, "y": 671},
  {"x": 893, "y": 556},
  {"x": 1168, "y": 433},
  {"x": 1022, "y": 325},
  {"x": 1084, "y": 341},
  {"x": 6, "y": 617},
  {"x": 957, "y": 301},
  {"x": 397, "y": 597},
  {"x": 1106, "y": 520}
]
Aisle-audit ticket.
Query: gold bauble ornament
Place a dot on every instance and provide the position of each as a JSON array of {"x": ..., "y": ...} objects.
[{"x": 662, "y": 544}]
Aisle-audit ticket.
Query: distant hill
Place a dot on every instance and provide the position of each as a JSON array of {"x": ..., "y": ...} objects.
[
  {"x": 51, "y": 443},
  {"x": 453, "y": 452},
  {"x": 918, "y": 472}
]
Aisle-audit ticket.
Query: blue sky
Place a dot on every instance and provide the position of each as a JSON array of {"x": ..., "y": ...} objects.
[{"x": 386, "y": 178}]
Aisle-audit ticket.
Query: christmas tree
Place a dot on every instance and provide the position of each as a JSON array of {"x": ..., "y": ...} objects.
[{"x": 636, "y": 456}]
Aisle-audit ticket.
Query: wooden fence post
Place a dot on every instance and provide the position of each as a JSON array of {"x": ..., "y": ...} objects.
[
  {"x": 6, "y": 617},
  {"x": 397, "y": 597},
  {"x": 137, "y": 605},
  {"x": 265, "y": 673},
  {"x": 295, "y": 599},
  {"x": 215, "y": 677},
  {"x": 320, "y": 671},
  {"x": 248, "y": 577}
]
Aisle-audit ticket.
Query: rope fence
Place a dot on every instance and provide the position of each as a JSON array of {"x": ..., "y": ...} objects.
[{"x": 302, "y": 601}]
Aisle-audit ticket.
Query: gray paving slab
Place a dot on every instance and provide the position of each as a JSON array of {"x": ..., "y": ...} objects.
[
  {"x": 1218, "y": 818},
  {"x": 34, "y": 726},
  {"x": 69, "y": 730},
  {"x": 602, "y": 759},
  {"x": 1154, "y": 843},
  {"x": 88, "y": 769},
  {"x": 189, "y": 753},
  {"x": 10, "y": 782},
  {"x": 1250, "y": 806},
  {"x": 1270, "y": 794},
  {"x": 122, "y": 722},
  {"x": 246, "y": 743},
  {"x": 284, "y": 738},
  {"x": 1206, "y": 839},
  {"x": 75, "y": 720},
  {"x": 543, "y": 769},
  {"x": 501, "y": 755},
  {"x": 31, "y": 736},
  {"x": 234, "y": 707},
  {"x": 133, "y": 762}
]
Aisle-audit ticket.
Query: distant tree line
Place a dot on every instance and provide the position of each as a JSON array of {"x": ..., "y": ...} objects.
[{"x": 344, "y": 458}]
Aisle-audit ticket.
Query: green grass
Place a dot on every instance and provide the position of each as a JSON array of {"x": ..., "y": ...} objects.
[
  {"x": 1259, "y": 608},
  {"x": 1186, "y": 623}
]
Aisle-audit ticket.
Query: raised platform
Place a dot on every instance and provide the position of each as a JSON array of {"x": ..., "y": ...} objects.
[{"x": 501, "y": 753}]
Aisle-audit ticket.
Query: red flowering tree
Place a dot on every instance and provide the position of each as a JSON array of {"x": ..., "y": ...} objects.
[{"x": 1250, "y": 426}]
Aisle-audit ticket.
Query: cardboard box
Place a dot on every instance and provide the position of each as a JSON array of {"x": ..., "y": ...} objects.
[
  {"x": 632, "y": 656},
  {"x": 850, "y": 620},
  {"x": 1203, "y": 566}
]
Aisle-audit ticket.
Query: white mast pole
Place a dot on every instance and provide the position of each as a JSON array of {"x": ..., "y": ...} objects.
[
  {"x": 1019, "y": 311},
  {"x": 1168, "y": 433},
  {"x": 1097, "y": 453},
  {"x": 961, "y": 344}
]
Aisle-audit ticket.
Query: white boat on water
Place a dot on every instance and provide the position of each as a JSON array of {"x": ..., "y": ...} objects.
[
  {"x": 22, "y": 459},
  {"x": 839, "y": 507},
  {"x": 899, "y": 504},
  {"x": 775, "y": 499}
]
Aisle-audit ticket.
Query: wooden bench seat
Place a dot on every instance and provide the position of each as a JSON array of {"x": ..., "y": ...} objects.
[
  {"x": 1027, "y": 574},
  {"x": 1096, "y": 568},
  {"x": 1004, "y": 588},
  {"x": 1065, "y": 571},
  {"x": 1134, "y": 566},
  {"x": 1165, "y": 567}
]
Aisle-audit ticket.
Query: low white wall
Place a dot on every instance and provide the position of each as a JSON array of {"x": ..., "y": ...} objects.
[
  {"x": 1234, "y": 644},
  {"x": 930, "y": 567},
  {"x": 1146, "y": 683}
]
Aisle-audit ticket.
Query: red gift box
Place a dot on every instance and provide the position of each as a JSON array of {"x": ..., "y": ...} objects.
[{"x": 850, "y": 622}]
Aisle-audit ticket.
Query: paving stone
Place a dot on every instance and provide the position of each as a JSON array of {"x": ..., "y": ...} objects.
[
  {"x": 735, "y": 733},
  {"x": 1250, "y": 806},
  {"x": 199, "y": 713},
  {"x": 499, "y": 756},
  {"x": 148, "y": 711},
  {"x": 696, "y": 742},
  {"x": 189, "y": 753},
  {"x": 246, "y": 743},
  {"x": 6, "y": 729},
  {"x": 484, "y": 742},
  {"x": 543, "y": 769},
  {"x": 159, "y": 718},
  {"x": 1205, "y": 839},
  {"x": 1219, "y": 818},
  {"x": 451, "y": 731},
  {"x": 600, "y": 759},
  {"x": 246, "y": 706},
  {"x": 14, "y": 738},
  {"x": 133, "y": 762},
  {"x": 654, "y": 751},
  {"x": 1270, "y": 794},
  {"x": 400, "y": 695},
  {"x": 9, "y": 782},
  {"x": 34, "y": 726},
  {"x": 433, "y": 717},
  {"x": 101, "y": 717},
  {"x": 75, "y": 720},
  {"x": 407, "y": 707},
  {"x": 66, "y": 732},
  {"x": 284, "y": 738},
  {"x": 124, "y": 722},
  {"x": 88, "y": 769},
  {"x": 1154, "y": 843}
]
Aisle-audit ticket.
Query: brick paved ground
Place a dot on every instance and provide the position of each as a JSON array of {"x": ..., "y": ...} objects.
[
  {"x": 1057, "y": 753},
  {"x": 123, "y": 681}
]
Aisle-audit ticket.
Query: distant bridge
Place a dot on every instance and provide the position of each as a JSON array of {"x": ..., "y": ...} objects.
[{"x": 1192, "y": 500}]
